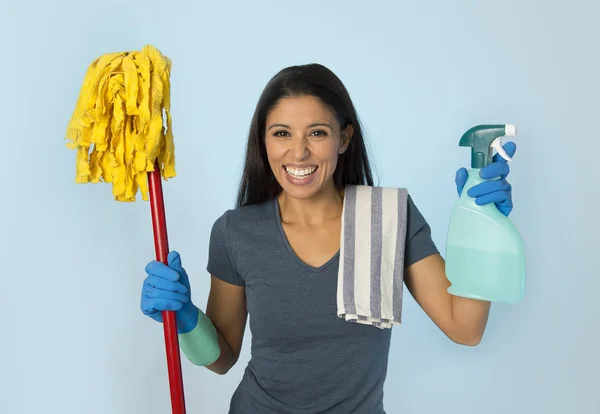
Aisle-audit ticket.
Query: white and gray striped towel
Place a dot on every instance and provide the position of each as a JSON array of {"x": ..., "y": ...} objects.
[{"x": 371, "y": 270}]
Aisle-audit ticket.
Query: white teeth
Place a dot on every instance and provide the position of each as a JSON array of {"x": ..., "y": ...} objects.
[{"x": 300, "y": 173}]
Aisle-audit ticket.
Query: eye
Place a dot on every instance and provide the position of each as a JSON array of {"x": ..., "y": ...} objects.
[
  {"x": 281, "y": 134},
  {"x": 320, "y": 133}
]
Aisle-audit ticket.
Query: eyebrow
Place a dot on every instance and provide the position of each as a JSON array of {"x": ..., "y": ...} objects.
[{"x": 310, "y": 126}]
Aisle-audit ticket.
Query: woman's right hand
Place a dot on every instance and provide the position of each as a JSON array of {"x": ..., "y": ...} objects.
[{"x": 167, "y": 288}]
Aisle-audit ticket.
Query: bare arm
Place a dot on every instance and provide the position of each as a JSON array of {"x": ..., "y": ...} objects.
[
  {"x": 226, "y": 308},
  {"x": 463, "y": 320}
]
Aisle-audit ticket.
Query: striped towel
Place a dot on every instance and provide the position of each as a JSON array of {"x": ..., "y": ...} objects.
[{"x": 371, "y": 271}]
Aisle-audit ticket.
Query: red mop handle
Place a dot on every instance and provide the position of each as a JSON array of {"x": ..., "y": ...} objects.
[{"x": 161, "y": 244}]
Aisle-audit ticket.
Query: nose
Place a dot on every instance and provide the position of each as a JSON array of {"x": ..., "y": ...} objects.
[{"x": 300, "y": 150}]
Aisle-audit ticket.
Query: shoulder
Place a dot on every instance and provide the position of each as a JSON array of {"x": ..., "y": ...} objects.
[
  {"x": 391, "y": 197},
  {"x": 245, "y": 216},
  {"x": 417, "y": 232},
  {"x": 414, "y": 218},
  {"x": 419, "y": 242},
  {"x": 233, "y": 232},
  {"x": 238, "y": 225}
]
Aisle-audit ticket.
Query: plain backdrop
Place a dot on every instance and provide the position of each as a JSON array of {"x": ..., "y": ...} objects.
[{"x": 420, "y": 73}]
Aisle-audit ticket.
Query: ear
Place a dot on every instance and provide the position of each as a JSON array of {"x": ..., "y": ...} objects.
[{"x": 347, "y": 134}]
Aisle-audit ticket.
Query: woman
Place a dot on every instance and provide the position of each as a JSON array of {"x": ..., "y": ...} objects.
[{"x": 275, "y": 258}]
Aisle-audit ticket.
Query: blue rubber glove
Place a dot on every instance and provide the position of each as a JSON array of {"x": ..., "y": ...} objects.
[
  {"x": 168, "y": 288},
  {"x": 494, "y": 191}
]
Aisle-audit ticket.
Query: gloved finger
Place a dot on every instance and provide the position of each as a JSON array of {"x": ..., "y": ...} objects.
[
  {"x": 157, "y": 282},
  {"x": 160, "y": 269},
  {"x": 510, "y": 148},
  {"x": 460, "y": 179},
  {"x": 488, "y": 187},
  {"x": 183, "y": 279},
  {"x": 159, "y": 305},
  {"x": 495, "y": 197},
  {"x": 150, "y": 311},
  {"x": 153, "y": 293},
  {"x": 174, "y": 260},
  {"x": 494, "y": 170}
]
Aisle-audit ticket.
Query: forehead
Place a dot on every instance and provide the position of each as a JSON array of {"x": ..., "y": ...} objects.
[{"x": 300, "y": 110}]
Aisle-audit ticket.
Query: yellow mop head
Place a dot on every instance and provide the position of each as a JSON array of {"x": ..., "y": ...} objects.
[{"x": 118, "y": 127}]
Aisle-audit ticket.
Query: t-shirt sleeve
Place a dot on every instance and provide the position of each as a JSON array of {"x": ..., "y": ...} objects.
[
  {"x": 419, "y": 243},
  {"x": 220, "y": 258}
]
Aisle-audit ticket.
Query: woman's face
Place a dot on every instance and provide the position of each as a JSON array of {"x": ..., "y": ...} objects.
[{"x": 303, "y": 141}]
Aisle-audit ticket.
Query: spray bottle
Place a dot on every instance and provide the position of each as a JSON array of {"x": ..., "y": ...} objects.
[{"x": 485, "y": 254}]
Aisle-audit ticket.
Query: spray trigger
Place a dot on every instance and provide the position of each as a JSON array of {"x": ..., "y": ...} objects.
[{"x": 497, "y": 145}]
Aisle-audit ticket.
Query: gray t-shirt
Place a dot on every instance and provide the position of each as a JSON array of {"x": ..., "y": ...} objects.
[{"x": 305, "y": 359}]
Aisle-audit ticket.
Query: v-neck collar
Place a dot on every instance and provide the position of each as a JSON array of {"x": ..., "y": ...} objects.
[{"x": 287, "y": 244}]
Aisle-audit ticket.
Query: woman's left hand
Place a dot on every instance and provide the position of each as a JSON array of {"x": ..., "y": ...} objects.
[{"x": 498, "y": 191}]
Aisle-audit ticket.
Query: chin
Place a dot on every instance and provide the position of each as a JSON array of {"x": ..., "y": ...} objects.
[{"x": 300, "y": 193}]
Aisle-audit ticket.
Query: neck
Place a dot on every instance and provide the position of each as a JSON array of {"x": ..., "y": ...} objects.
[{"x": 322, "y": 207}]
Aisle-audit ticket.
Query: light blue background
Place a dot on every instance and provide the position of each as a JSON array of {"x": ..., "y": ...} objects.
[{"x": 420, "y": 73}]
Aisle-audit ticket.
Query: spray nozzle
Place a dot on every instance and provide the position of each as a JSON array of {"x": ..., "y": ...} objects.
[
  {"x": 483, "y": 139},
  {"x": 497, "y": 145}
]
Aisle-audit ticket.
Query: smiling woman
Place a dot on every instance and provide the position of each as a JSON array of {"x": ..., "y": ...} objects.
[
  {"x": 303, "y": 108},
  {"x": 276, "y": 256},
  {"x": 302, "y": 153}
]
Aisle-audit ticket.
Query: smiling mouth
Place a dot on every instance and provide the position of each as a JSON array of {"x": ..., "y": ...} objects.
[{"x": 300, "y": 173}]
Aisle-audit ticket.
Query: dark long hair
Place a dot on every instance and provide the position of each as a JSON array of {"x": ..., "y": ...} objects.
[{"x": 258, "y": 184}]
